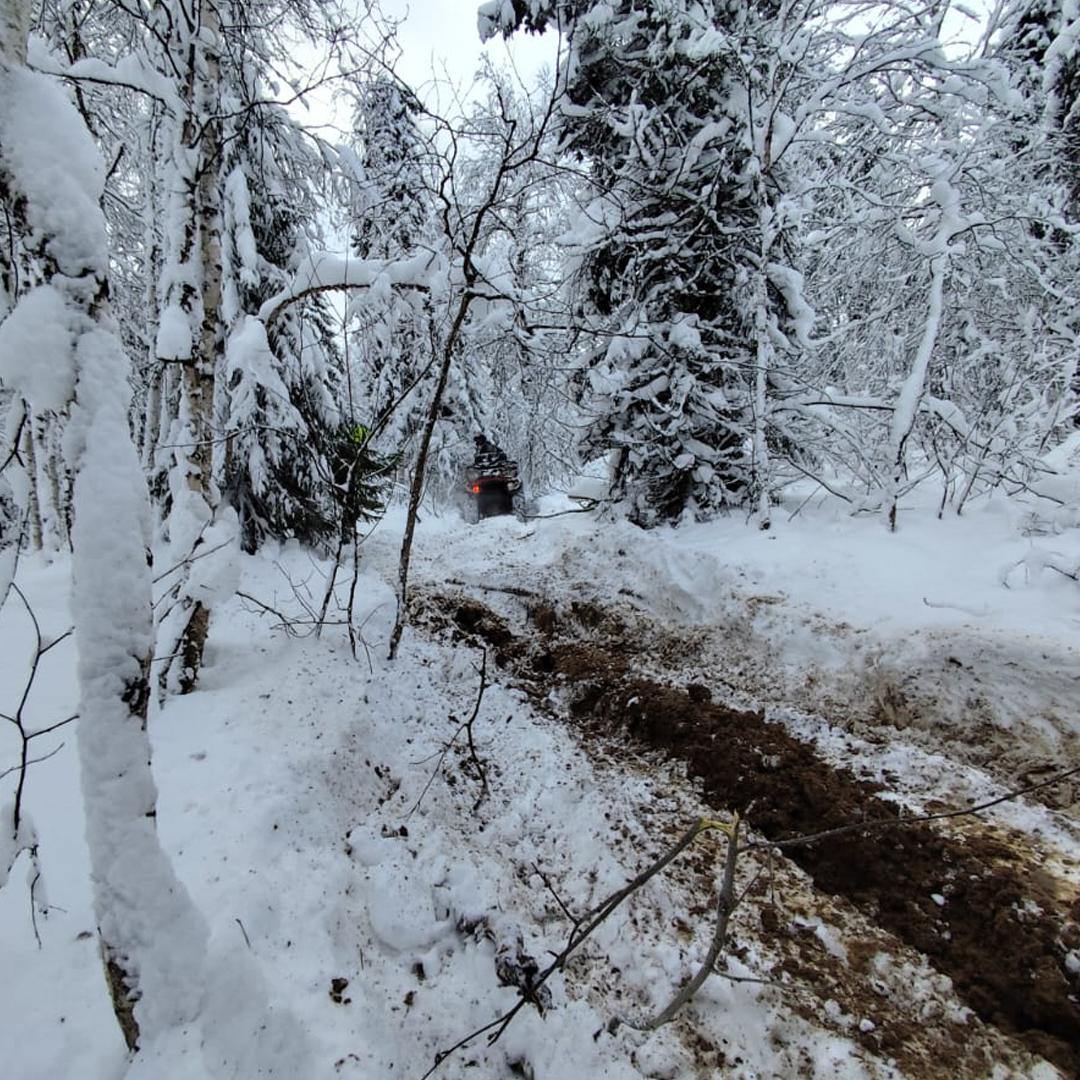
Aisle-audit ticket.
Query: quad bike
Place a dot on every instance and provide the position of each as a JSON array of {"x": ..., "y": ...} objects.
[{"x": 490, "y": 493}]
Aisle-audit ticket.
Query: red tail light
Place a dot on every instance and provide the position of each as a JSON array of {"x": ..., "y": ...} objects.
[{"x": 476, "y": 489}]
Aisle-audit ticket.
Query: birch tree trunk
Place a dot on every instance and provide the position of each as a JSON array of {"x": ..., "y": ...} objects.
[
  {"x": 59, "y": 495},
  {"x": 762, "y": 359},
  {"x": 906, "y": 408},
  {"x": 33, "y": 502},
  {"x": 190, "y": 334},
  {"x": 938, "y": 249}
]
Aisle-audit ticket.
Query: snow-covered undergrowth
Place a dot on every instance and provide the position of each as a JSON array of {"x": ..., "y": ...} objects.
[{"x": 366, "y": 919}]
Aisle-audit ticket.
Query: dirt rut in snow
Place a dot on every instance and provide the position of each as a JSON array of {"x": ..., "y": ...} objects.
[{"x": 976, "y": 905}]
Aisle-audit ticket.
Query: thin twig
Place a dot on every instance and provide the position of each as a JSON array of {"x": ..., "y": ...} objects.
[
  {"x": 41, "y": 648},
  {"x": 920, "y": 819},
  {"x": 56, "y": 641},
  {"x": 31, "y": 761},
  {"x": 189, "y": 559},
  {"x": 465, "y": 725},
  {"x": 725, "y": 906},
  {"x": 351, "y": 602},
  {"x": 574, "y": 920},
  {"x": 290, "y": 624},
  {"x": 321, "y": 620},
  {"x": 286, "y": 622},
  {"x": 587, "y": 507},
  {"x": 53, "y": 727},
  {"x": 481, "y": 771},
  {"x": 33, "y": 885},
  {"x": 434, "y": 772},
  {"x": 511, "y": 590},
  {"x": 580, "y": 934},
  {"x": 748, "y": 979}
]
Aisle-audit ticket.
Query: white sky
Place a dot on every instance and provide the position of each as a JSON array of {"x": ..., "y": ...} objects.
[
  {"x": 440, "y": 36},
  {"x": 440, "y": 55}
]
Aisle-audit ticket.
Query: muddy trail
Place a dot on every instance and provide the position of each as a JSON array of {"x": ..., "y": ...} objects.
[{"x": 966, "y": 895}]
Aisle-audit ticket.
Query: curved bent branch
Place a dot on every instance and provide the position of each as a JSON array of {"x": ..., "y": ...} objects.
[{"x": 272, "y": 310}]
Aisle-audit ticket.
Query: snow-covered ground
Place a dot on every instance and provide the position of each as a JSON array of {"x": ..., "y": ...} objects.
[
  {"x": 953, "y": 630},
  {"x": 367, "y": 906}
]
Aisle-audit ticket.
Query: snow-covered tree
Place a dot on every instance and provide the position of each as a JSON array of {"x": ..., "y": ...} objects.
[
  {"x": 944, "y": 302},
  {"x": 677, "y": 246},
  {"x": 1039, "y": 41},
  {"x": 281, "y": 398},
  {"x": 450, "y": 280},
  {"x": 755, "y": 164},
  {"x": 391, "y": 216},
  {"x": 239, "y": 183},
  {"x": 61, "y": 332},
  {"x": 518, "y": 365}
]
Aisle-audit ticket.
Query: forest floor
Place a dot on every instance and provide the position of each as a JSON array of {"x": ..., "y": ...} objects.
[{"x": 381, "y": 878}]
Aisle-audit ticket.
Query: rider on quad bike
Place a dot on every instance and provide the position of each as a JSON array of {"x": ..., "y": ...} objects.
[{"x": 492, "y": 483}]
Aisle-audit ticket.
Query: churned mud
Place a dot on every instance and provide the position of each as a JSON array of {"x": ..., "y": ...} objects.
[{"x": 969, "y": 897}]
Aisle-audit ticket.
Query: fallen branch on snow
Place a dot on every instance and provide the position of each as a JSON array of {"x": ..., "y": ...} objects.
[
  {"x": 510, "y": 590},
  {"x": 580, "y": 934},
  {"x": 727, "y": 903},
  {"x": 725, "y": 907},
  {"x": 975, "y": 612},
  {"x": 467, "y": 727},
  {"x": 903, "y": 822}
]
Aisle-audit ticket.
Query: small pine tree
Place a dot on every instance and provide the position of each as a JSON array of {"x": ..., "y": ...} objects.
[{"x": 360, "y": 477}]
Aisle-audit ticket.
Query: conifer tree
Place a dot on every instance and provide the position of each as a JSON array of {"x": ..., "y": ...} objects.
[
  {"x": 674, "y": 248},
  {"x": 1040, "y": 42},
  {"x": 391, "y": 218},
  {"x": 282, "y": 398}
]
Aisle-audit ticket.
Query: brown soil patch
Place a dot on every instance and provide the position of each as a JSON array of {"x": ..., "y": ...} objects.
[
  {"x": 998, "y": 928},
  {"x": 996, "y": 935}
]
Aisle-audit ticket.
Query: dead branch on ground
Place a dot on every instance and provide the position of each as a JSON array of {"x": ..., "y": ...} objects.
[
  {"x": 311, "y": 622},
  {"x": 902, "y": 821},
  {"x": 467, "y": 727},
  {"x": 578, "y": 936},
  {"x": 727, "y": 903},
  {"x": 510, "y": 590}
]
